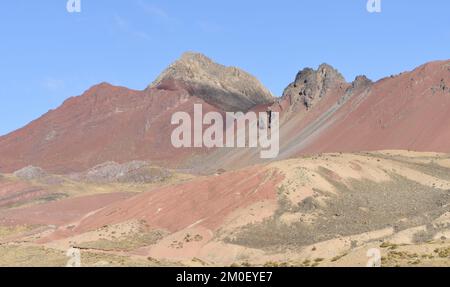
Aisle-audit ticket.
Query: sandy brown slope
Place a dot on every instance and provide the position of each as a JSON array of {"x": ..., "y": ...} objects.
[{"x": 323, "y": 210}]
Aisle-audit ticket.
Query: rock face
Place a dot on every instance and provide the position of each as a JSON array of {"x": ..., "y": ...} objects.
[
  {"x": 310, "y": 86},
  {"x": 30, "y": 173},
  {"x": 361, "y": 82},
  {"x": 131, "y": 172},
  {"x": 227, "y": 88}
]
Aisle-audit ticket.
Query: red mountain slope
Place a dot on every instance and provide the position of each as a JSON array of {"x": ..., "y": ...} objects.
[
  {"x": 410, "y": 111},
  {"x": 320, "y": 111},
  {"x": 109, "y": 123}
]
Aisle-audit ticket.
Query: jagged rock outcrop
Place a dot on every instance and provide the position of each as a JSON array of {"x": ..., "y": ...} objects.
[
  {"x": 228, "y": 88},
  {"x": 30, "y": 173},
  {"x": 310, "y": 85},
  {"x": 130, "y": 172},
  {"x": 443, "y": 86},
  {"x": 361, "y": 82}
]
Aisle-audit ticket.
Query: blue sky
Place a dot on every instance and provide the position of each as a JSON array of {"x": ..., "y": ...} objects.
[{"x": 48, "y": 55}]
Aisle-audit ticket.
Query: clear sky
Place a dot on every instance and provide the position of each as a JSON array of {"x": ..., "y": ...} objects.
[{"x": 48, "y": 55}]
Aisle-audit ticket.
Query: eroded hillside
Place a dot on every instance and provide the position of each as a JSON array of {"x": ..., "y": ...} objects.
[{"x": 321, "y": 210}]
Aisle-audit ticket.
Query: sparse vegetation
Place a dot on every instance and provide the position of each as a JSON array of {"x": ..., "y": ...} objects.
[
  {"x": 385, "y": 204},
  {"x": 389, "y": 245},
  {"x": 443, "y": 252},
  {"x": 319, "y": 260},
  {"x": 6, "y": 231},
  {"x": 338, "y": 257},
  {"x": 128, "y": 243}
]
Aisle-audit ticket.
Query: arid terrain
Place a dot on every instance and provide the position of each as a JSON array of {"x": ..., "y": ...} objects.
[
  {"x": 362, "y": 165},
  {"x": 322, "y": 210}
]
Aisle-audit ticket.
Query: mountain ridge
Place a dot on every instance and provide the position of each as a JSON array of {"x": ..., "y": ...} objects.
[{"x": 113, "y": 123}]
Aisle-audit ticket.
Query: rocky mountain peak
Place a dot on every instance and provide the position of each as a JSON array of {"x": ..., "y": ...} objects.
[
  {"x": 227, "y": 88},
  {"x": 193, "y": 57},
  {"x": 361, "y": 82},
  {"x": 310, "y": 85}
]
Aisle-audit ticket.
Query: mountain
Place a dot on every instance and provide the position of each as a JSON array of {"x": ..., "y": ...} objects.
[
  {"x": 311, "y": 86},
  {"x": 116, "y": 199},
  {"x": 228, "y": 88},
  {"x": 320, "y": 112},
  {"x": 407, "y": 111},
  {"x": 109, "y": 123}
]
